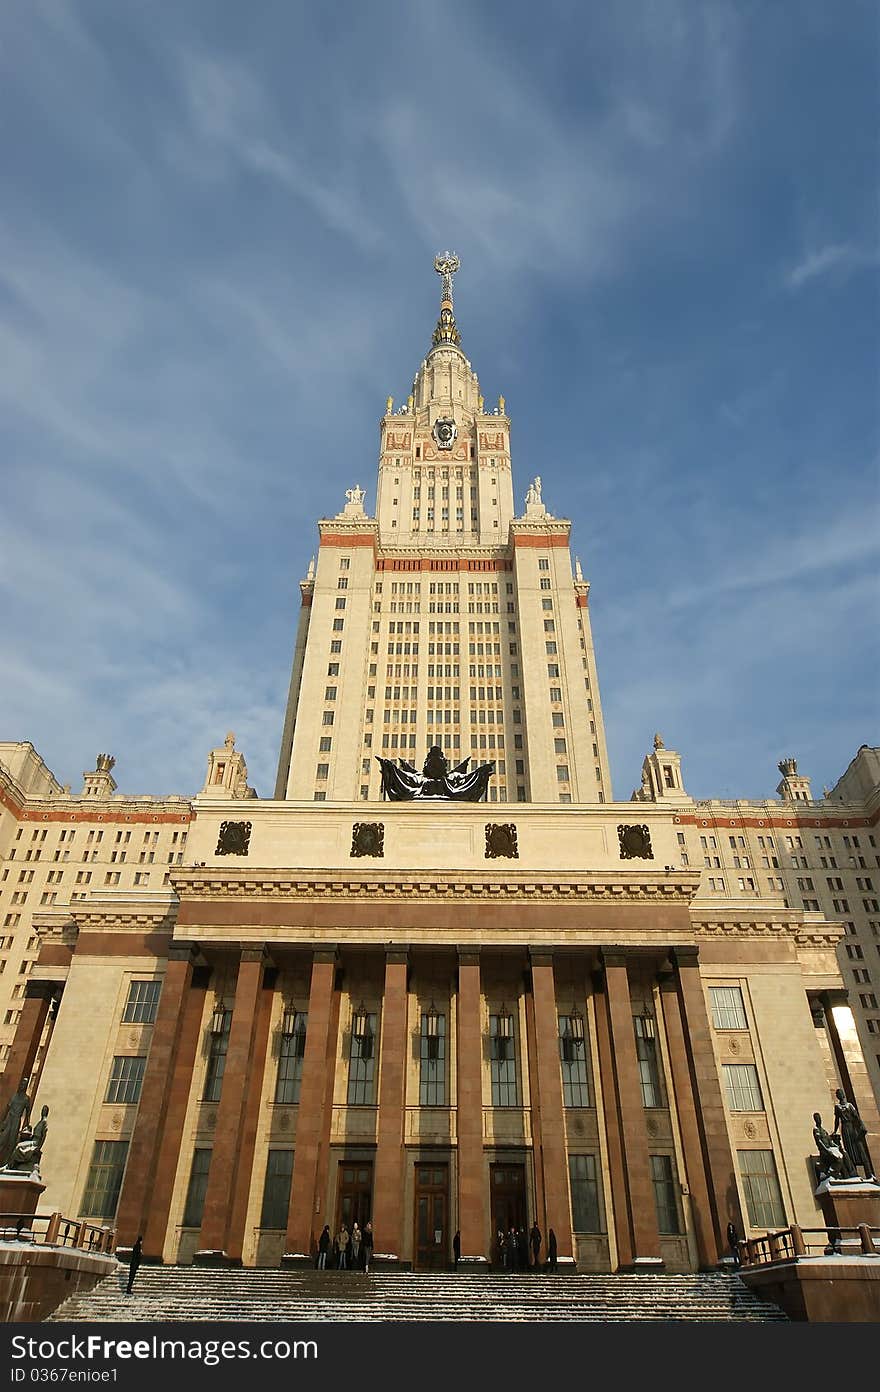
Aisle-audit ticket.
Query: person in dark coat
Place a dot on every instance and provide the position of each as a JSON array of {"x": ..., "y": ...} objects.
[
  {"x": 551, "y": 1249},
  {"x": 522, "y": 1249},
  {"x": 456, "y": 1249},
  {"x": 733, "y": 1240},
  {"x": 535, "y": 1241},
  {"x": 134, "y": 1262},
  {"x": 511, "y": 1249},
  {"x": 367, "y": 1246},
  {"x": 324, "y": 1242}
]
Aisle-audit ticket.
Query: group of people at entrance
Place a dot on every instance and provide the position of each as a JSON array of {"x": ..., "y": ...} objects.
[
  {"x": 349, "y": 1250},
  {"x": 519, "y": 1250}
]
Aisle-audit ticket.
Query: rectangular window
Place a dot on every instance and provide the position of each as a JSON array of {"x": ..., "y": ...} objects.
[
  {"x": 197, "y": 1189},
  {"x": 503, "y": 1061},
  {"x": 217, "y": 1060},
  {"x": 432, "y": 1055},
  {"x": 757, "y": 1170},
  {"x": 291, "y": 1053},
  {"x": 276, "y": 1190},
  {"x": 361, "y": 1067},
  {"x": 322, "y": 771},
  {"x": 126, "y": 1077},
  {"x": 665, "y": 1199},
  {"x": 573, "y": 1058},
  {"x": 142, "y": 1003},
  {"x": 742, "y": 1087},
  {"x": 104, "y": 1179},
  {"x": 586, "y": 1207},
  {"x": 646, "y": 1052},
  {"x": 728, "y": 1011}
]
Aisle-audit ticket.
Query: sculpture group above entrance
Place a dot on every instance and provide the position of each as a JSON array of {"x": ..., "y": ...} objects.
[{"x": 402, "y": 782}]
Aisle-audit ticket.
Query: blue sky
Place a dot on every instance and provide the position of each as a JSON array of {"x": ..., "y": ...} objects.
[{"x": 216, "y": 235}]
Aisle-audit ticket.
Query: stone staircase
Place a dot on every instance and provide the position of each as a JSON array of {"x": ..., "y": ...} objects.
[{"x": 185, "y": 1293}]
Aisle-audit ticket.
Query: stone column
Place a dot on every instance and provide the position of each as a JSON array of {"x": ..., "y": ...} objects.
[
  {"x": 554, "y": 1164},
  {"x": 226, "y": 1155},
  {"x": 642, "y": 1210},
  {"x": 315, "y": 1110},
  {"x": 718, "y": 1157},
  {"x": 617, "y": 1199},
  {"x": 28, "y": 1033},
  {"x": 535, "y": 1110},
  {"x": 153, "y": 1201},
  {"x": 388, "y": 1184},
  {"x": 684, "y": 1089},
  {"x": 471, "y": 1167},
  {"x": 250, "y": 1121},
  {"x": 135, "y": 1199}
]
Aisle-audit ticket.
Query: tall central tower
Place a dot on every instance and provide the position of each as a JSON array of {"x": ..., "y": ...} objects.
[{"x": 446, "y": 619}]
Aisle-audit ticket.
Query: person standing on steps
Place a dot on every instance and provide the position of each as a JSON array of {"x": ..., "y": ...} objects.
[
  {"x": 134, "y": 1262},
  {"x": 551, "y": 1249},
  {"x": 535, "y": 1241},
  {"x": 733, "y": 1241},
  {"x": 355, "y": 1247},
  {"x": 342, "y": 1244},
  {"x": 368, "y": 1246},
  {"x": 323, "y": 1247},
  {"x": 456, "y": 1248}
]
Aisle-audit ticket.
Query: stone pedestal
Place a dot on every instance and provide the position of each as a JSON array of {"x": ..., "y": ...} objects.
[
  {"x": 20, "y": 1191},
  {"x": 847, "y": 1203}
]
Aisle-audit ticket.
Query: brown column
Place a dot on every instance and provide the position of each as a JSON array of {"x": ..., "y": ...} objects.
[
  {"x": 535, "y": 1109},
  {"x": 471, "y": 1169},
  {"x": 718, "y": 1157},
  {"x": 155, "y": 1205},
  {"x": 614, "y": 1144},
  {"x": 388, "y": 1184},
  {"x": 223, "y": 1176},
  {"x": 315, "y": 1109},
  {"x": 141, "y": 1170},
  {"x": 686, "y": 1111},
  {"x": 631, "y": 1114},
  {"x": 28, "y": 1033},
  {"x": 553, "y": 1148},
  {"x": 241, "y": 1198}
]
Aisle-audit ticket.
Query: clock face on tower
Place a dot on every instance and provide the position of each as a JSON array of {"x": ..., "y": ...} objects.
[{"x": 444, "y": 432}]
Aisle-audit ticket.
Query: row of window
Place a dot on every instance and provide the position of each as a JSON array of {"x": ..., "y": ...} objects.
[{"x": 757, "y": 1172}]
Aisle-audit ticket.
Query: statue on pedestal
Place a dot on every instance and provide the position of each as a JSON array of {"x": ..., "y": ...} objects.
[
  {"x": 833, "y": 1163},
  {"x": 29, "y": 1151},
  {"x": 853, "y": 1133},
  {"x": 18, "y": 1109}
]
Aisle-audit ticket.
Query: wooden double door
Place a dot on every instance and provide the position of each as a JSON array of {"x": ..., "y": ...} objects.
[{"x": 432, "y": 1240}]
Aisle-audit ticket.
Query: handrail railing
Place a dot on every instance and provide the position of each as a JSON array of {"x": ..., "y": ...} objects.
[
  {"x": 54, "y": 1230},
  {"x": 788, "y": 1244}
]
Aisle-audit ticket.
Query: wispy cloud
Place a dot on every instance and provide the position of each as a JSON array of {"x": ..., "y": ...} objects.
[{"x": 838, "y": 258}]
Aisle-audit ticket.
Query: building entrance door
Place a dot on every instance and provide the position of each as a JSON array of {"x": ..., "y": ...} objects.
[
  {"x": 431, "y": 1237},
  {"x": 508, "y": 1184},
  {"x": 354, "y": 1194}
]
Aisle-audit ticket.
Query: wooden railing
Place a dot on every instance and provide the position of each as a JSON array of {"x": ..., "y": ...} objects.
[
  {"x": 788, "y": 1244},
  {"x": 54, "y": 1230}
]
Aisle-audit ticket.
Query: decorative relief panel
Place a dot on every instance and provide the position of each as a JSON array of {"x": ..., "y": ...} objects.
[
  {"x": 368, "y": 839},
  {"x": 234, "y": 838},
  {"x": 635, "y": 843},
  {"x": 501, "y": 841}
]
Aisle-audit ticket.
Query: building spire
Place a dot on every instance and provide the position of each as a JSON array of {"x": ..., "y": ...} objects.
[{"x": 446, "y": 263}]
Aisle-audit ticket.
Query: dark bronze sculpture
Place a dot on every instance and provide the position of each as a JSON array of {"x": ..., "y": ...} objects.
[
  {"x": 18, "y": 1108},
  {"x": 635, "y": 843},
  {"x": 501, "y": 841},
  {"x": 833, "y": 1162},
  {"x": 29, "y": 1151},
  {"x": 401, "y": 782},
  {"x": 853, "y": 1132}
]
